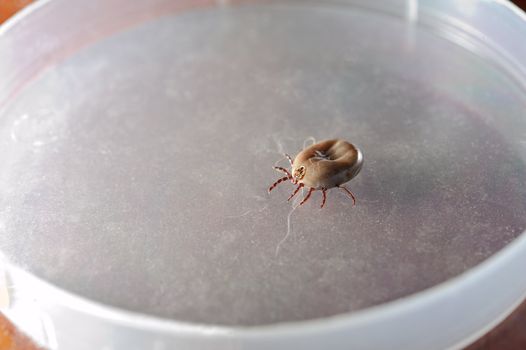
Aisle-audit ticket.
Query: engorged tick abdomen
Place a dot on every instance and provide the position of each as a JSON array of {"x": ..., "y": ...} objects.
[{"x": 328, "y": 163}]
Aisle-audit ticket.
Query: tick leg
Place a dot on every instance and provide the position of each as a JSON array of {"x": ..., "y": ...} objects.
[
  {"x": 290, "y": 159},
  {"x": 324, "y": 193},
  {"x": 285, "y": 178},
  {"x": 349, "y": 192},
  {"x": 307, "y": 196},
  {"x": 295, "y": 191},
  {"x": 283, "y": 170}
]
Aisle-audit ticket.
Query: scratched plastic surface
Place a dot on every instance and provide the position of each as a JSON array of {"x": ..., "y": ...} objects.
[{"x": 135, "y": 171}]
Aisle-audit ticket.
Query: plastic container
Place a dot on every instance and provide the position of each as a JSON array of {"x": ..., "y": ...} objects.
[{"x": 137, "y": 140}]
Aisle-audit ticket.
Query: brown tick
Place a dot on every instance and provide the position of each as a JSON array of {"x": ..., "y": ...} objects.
[{"x": 322, "y": 166}]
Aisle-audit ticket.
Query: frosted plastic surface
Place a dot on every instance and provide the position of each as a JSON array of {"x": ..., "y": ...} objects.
[{"x": 135, "y": 172}]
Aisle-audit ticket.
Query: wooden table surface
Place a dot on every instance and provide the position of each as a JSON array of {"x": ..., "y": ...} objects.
[{"x": 509, "y": 335}]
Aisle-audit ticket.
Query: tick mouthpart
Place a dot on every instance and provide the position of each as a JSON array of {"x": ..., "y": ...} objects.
[{"x": 299, "y": 173}]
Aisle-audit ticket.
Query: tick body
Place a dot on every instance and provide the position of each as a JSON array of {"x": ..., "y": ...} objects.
[{"x": 322, "y": 166}]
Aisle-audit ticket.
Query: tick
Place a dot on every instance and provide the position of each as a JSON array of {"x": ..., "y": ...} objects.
[{"x": 322, "y": 166}]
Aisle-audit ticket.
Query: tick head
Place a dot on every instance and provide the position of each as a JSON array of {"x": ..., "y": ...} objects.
[{"x": 299, "y": 173}]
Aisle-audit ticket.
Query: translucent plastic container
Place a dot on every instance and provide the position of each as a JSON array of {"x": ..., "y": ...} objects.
[{"x": 137, "y": 140}]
